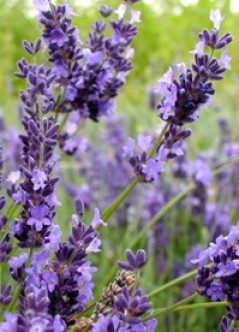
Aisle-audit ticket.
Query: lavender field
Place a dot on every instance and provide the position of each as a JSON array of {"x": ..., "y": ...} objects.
[{"x": 119, "y": 166}]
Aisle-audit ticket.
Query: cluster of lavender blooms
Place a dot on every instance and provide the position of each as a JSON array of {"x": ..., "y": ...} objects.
[
  {"x": 218, "y": 274},
  {"x": 181, "y": 99},
  {"x": 206, "y": 202},
  {"x": 121, "y": 306},
  {"x": 88, "y": 74},
  {"x": 51, "y": 278}
]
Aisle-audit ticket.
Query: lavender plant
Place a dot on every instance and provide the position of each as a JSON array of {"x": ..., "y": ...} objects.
[{"x": 47, "y": 277}]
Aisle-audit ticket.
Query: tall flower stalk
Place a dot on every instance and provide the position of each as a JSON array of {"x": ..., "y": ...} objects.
[{"x": 52, "y": 277}]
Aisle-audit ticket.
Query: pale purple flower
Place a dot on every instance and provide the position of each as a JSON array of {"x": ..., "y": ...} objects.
[
  {"x": 39, "y": 260},
  {"x": 40, "y": 5},
  {"x": 39, "y": 179},
  {"x": 10, "y": 323},
  {"x": 236, "y": 263},
  {"x": 19, "y": 196},
  {"x": 105, "y": 323},
  {"x": 93, "y": 246},
  {"x": 97, "y": 221},
  {"x": 52, "y": 200},
  {"x": 225, "y": 270},
  {"x": 203, "y": 258},
  {"x": 120, "y": 11},
  {"x": 215, "y": 292},
  {"x": 68, "y": 10},
  {"x": 199, "y": 49},
  {"x": 51, "y": 279},
  {"x": 94, "y": 59},
  {"x": 59, "y": 37},
  {"x": 71, "y": 93},
  {"x": 128, "y": 148},
  {"x": 38, "y": 217},
  {"x": 152, "y": 169},
  {"x": 13, "y": 177},
  {"x": 224, "y": 60},
  {"x": 70, "y": 145},
  {"x": 86, "y": 271},
  {"x": 53, "y": 239},
  {"x": 151, "y": 325},
  {"x": 17, "y": 262},
  {"x": 167, "y": 78},
  {"x": 181, "y": 67},
  {"x": 59, "y": 325},
  {"x": 216, "y": 18},
  {"x": 38, "y": 324},
  {"x": 135, "y": 16},
  {"x": 202, "y": 172},
  {"x": 129, "y": 53},
  {"x": 144, "y": 142}
]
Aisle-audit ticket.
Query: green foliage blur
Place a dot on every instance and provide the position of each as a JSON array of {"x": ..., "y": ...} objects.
[{"x": 166, "y": 35}]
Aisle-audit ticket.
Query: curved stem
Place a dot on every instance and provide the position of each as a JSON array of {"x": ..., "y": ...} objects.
[
  {"x": 158, "y": 141},
  {"x": 63, "y": 122},
  {"x": 123, "y": 195},
  {"x": 172, "y": 307},
  {"x": 161, "y": 213},
  {"x": 172, "y": 283},
  {"x": 202, "y": 305}
]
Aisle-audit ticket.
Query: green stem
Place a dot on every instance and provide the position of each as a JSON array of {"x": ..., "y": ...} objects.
[
  {"x": 63, "y": 122},
  {"x": 8, "y": 212},
  {"x": 161, "y": 213},
  {"x": 202, "y": 306},
  {"x": 123, "y": 195},
  {"x": 172, "y": 307},
  {"x": 172, "y": 283},
  {"x": 175, "y": 200},
  {"x": 158, "y": 141}
]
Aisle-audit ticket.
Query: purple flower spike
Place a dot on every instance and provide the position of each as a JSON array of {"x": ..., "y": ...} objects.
[{"x": 135, "y": 261}]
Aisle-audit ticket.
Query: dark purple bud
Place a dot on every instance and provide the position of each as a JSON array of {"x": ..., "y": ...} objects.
[
  {"x": 37, "y": 45},
  {"x": 79, "y": 206},
  {"x": 135, "y": 261},
  {"x": 2, "y": 202},
  {"x": 5, "y": 295},
  {"x": 28, "y": 47},
  {"x": 33, "y": 127},
  {"x": 52, "y": 131},
  {"x": 105, "y": 10}
]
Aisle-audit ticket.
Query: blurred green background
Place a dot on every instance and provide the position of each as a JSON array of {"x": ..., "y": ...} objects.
[{"x": 167, "y": 33}]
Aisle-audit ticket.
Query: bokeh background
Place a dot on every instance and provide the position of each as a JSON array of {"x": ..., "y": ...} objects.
[{"x": 167, "y": 33}]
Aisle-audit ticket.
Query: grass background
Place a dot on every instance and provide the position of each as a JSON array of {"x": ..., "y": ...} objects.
[{"x": 166, "y": 35}]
